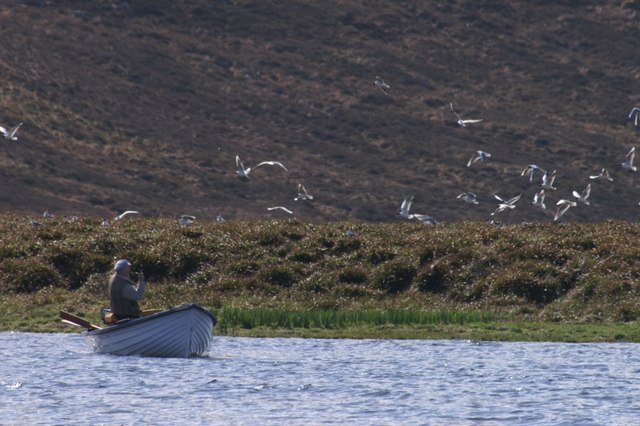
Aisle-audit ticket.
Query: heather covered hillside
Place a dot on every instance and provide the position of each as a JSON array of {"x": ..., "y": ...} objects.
[{"x": 145, "y": 104}]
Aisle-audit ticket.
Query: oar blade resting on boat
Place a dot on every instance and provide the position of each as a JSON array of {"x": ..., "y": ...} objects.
[{"x": 76, "y": 320}]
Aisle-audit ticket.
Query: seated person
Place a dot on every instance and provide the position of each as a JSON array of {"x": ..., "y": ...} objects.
[{"x": 123, "y": 296}]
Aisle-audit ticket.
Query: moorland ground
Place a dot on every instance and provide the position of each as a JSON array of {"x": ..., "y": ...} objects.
[{"x": 145, "y": 104}]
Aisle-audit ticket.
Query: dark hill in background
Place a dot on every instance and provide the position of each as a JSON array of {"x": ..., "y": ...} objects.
[{"x": 145, "y": 104}]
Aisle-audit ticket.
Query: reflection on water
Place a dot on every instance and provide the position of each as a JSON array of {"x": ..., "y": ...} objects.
[{"x": 54, "y": 379}]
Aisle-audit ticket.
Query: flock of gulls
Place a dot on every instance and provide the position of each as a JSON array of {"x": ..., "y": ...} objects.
[
  {"x": 531, "y": 171},
  {"x": 242, "y": 172},
  {"x": 547, "y": 180}
]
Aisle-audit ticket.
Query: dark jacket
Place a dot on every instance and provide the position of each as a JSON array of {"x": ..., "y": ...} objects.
[{"x": 123, "y": 297}]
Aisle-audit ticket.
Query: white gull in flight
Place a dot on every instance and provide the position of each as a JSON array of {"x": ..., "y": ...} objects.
[
  {"x": 628, "y": 161},
  {"x": 461, "y": 122},
  {"x": 468, "y": 197},
  {"x": 186, "y": 219},
  {"x": 244, "y": 173},
  {"x": 404, "y": 212},
  {"x": 548, "y": 179},
  {"x": 505, "y": 204},
  {"x": 302, "y": 193},
  {"x": 424, "y": 218},
  {"x": 478, "y": 156},
  {"x": 379, "y": 82},
  {"x": 405, "y": 206},
  {"x": 531, "y": 170},
  {"x": 284, "y": 209},
  {"x": 563, "y": 206},
  {"x": 538, "y": 199},
  {"x": 124, "y": 214},
  {"x": 582, "y": 197},
  {"x": 635, "y": 112},
  {"x": 11, "y": 133},
  {"x": 604, "y": 174}
]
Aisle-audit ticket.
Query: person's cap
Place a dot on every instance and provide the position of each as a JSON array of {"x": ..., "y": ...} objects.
[{"x": 121, "y": 264}]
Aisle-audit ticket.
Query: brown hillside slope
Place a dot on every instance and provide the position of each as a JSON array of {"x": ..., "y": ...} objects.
[{"x": 145, "y": 104}]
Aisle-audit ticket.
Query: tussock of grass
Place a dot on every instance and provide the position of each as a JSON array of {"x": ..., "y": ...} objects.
[{"x": 548, "y": 272}]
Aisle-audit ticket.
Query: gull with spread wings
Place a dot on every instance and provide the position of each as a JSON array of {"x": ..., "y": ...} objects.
[
  {"x": 582, "y": 197},
  {"x": 404, "y": 212},
  {"x": 463, "y": 122},
  {"x": 10, "y": 133},
  {"x": 478, "y": 156},
  {"x": 505, "y": 204},
  {"x": 531, "y": 170},
  {"x": 563, "y": 206},
  {"x": 628, "y": 161},
  {"x": 303, "y": 194},
  {"x": 243, "y": 172},
  {"x": 379, "y": 82},
  {"x": 125, "y": 214},
  {"x": 538, "y": 199},
  {"x": 284, "y": 209},
  {"x": 186, "y": 219},
  {"x": 547, "y": 180},
  {"x": 604, "y": 174},
  {"x": 468, "y": 197},
  {"x": 635, "y": 112}
]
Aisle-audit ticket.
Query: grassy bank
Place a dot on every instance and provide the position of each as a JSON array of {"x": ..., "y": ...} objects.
[{"x": 568, "y": 282}]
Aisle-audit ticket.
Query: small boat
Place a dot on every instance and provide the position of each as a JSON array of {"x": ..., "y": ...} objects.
[{"x": 179, "y": 332}]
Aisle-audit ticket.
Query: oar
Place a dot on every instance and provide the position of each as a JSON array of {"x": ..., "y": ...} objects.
[{"x": 75, "y": 320}]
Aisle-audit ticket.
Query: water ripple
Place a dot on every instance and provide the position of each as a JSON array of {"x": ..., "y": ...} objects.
[{"x": 321, "y": 381}]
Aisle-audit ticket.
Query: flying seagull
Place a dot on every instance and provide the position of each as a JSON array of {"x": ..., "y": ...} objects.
[
  {"x": 628, "y": 161},
  {"x": 505, "y": 204},
  {"x": 547, "y": 180},
  {"x": 424, "y": 218},
  {"x": 284, "y": 209},
  {"x": 582, "y": 197},
  {"x": 538, "y": 199},
  {"x": 302, "y": 193},
  {"x": 468, "y": 197},
  {"x": 124, "y": 214},
  {"x": 461, "y": 122},
  {"x": 404, "y": 212},
  {"x": 635, "y": 112},
  {"x": 563, "y": 206},
  {"x": 11, "y": 133},
  {"x": 244, "y": 173},
  {"x": 405, "y": 206},
  {"x": 604, "y": 174},
  {"x": 531, "y": 170},
  {"x": 379, "y": 82},
  {"x": 478, "y": 156},
  {"x": 186, "y": 219}
]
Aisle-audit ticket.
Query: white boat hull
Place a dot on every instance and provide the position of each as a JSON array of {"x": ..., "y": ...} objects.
[{"x": 180, "y": 332}]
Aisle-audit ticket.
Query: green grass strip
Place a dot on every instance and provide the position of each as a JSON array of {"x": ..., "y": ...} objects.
[{"x": 232, "y": 318}]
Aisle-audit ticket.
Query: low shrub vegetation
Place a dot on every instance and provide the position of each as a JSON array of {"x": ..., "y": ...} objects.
[{"x": 545, "y": 272}]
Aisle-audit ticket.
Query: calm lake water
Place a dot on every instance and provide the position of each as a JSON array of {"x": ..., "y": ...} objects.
[{"x": 53, "y": 379}]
